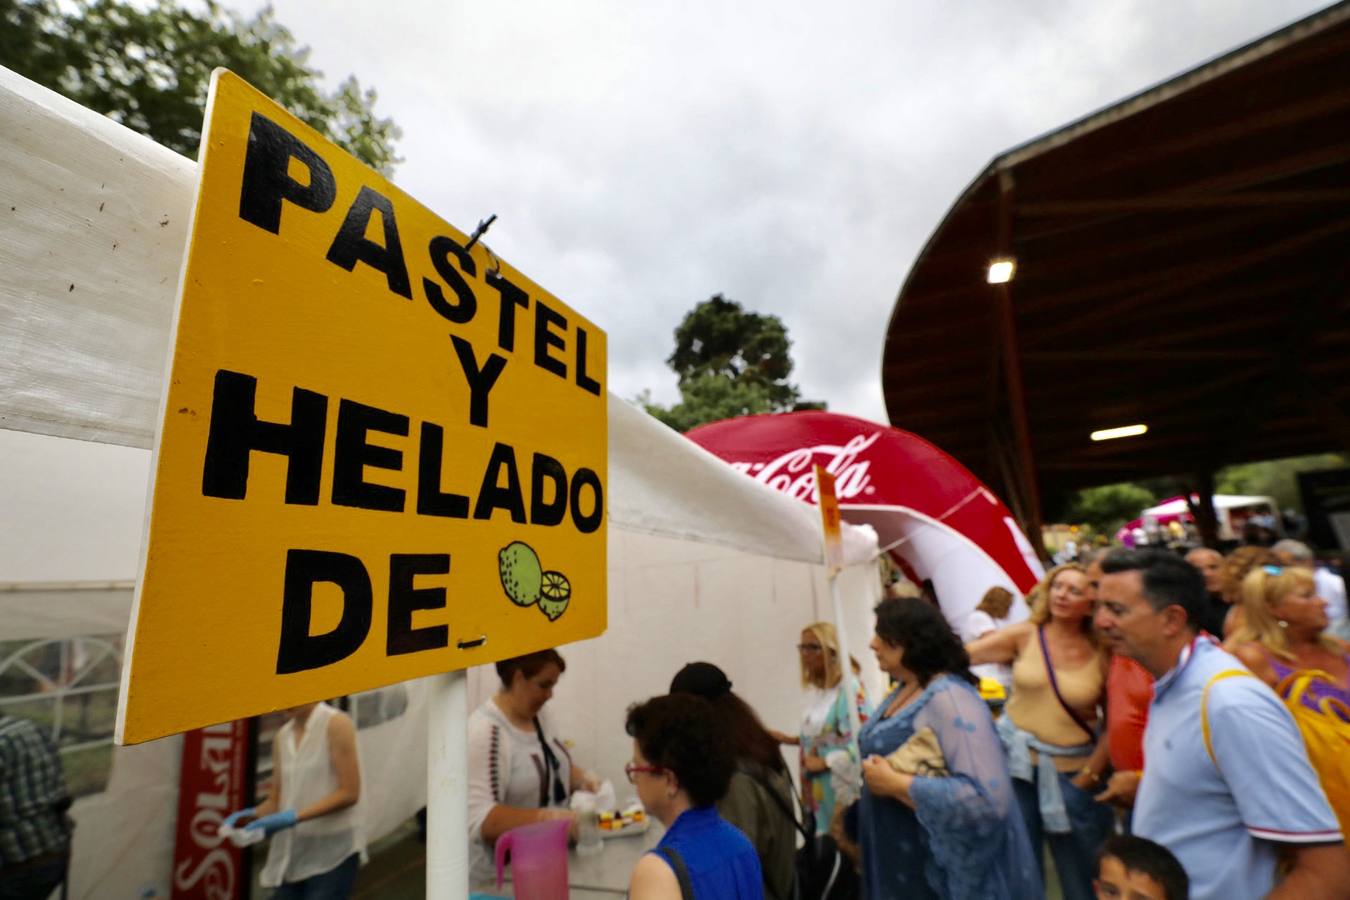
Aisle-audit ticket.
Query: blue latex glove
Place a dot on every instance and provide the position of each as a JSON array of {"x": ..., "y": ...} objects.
[
  {"x": 234, "y": 817},
  {"x": 275, "y": 822}
]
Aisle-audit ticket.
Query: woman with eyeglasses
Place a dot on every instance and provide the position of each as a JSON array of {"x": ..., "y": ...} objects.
[
  {"x": 520, "y": 772},
  {"x": 825, "y": 723},
  {"x": 681, "y": 767}
]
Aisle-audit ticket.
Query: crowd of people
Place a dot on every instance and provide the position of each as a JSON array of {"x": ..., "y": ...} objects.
[{"x": 1176, "y": 726}]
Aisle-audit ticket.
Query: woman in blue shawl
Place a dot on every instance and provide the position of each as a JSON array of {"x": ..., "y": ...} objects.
[{"x": 952, "y": 835}]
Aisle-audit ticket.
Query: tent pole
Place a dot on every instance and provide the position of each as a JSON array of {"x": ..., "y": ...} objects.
[
  {"x": 848, "y": 683},
  {"x": 448, "y": 788}
]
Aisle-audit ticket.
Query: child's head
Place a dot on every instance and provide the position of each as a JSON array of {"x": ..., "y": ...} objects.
[{"x": 1132, "y": 868}]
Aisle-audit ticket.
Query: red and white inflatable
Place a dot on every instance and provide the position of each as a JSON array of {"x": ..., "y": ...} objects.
[{"x": 932, "y": 515}]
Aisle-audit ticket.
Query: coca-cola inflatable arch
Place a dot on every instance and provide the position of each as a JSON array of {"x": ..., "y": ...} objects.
[{"x": 938, "y": 520}]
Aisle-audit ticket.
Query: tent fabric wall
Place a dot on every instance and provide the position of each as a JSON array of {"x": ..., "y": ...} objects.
[{"x": 703, "y": 563}]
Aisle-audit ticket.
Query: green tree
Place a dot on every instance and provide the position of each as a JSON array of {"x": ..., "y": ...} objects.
[
  {"x": 1276, "y": 478},
  {"x": 149, "y": 67},
  {"x": 730, "y": 362},
  {"x": 1108, "y": 507}
]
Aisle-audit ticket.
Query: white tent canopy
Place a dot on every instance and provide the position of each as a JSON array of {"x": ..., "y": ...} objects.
[{"x": 704, "y": 563}]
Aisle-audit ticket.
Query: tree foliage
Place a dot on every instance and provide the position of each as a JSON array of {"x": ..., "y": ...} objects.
[
  {"x": 149, "y": 67},
  {"x": 1276, "y": 478},
  {"x": 730, "y": 362},
  {"x": 1108, "y": 507}
]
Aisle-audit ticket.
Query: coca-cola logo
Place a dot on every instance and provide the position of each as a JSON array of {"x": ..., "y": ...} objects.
[{"x": 791, "y": 472}]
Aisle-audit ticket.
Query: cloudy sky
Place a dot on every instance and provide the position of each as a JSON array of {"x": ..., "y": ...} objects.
[{"x": 642, "y": 156}]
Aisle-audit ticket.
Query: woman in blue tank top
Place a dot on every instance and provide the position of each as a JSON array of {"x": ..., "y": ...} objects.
[{"x": 680, "y": 769}]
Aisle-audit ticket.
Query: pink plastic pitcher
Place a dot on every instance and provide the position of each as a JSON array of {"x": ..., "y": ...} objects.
[{"x": 538, "y": 860}]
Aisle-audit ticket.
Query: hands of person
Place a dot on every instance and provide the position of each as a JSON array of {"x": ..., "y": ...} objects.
[
  {"x": 233, "y": 818},
  {"x": 814, "y": 764},
  {"x": 881, "y": 779},
  {"x": 1121, "y": 788},
  {"x": 591, "y": 782},
  {"x": 783, "y": 738},
  {"x": 278, "y": 821},
  {"x": 1086, "y": 780},
  {"x": 552, "y": 813}
]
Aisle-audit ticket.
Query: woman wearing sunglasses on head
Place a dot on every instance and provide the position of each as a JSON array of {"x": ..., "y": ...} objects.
[
  {"x": 825, "y": 723},
  {"x": 519, "y": 771},
  {"x": 1283, "y": 640},
  {"x": 681, "y": 767}
]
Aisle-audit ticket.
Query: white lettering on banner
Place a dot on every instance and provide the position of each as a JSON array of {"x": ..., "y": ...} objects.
[
  {"x": 215, "y": 870},
  {"x": 791, "y": 473}
]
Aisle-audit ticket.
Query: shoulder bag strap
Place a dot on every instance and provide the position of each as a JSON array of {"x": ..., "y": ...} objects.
[
  {"x": 782, "y": 806},
  {"x": 1204, "y": 708},
  {"x": 1054, "y": 687},
  {"x": 672, "y": 856}
]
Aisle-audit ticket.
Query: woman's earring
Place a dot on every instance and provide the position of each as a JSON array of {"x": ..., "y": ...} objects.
[{"x": 1283, "y": 623}]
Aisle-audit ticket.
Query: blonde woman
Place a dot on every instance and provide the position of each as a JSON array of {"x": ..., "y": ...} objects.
[
  {"x": 1282, "y": 638},
  {"x": 825, "y": 724},
  {"x": 1282, "y": 634},
  {"x": 1049, "y": 728}
]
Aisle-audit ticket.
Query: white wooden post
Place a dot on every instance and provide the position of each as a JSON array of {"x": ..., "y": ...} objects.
[
  {"x": 448, "y": 788},
  {"x": 849, "y": 683}
]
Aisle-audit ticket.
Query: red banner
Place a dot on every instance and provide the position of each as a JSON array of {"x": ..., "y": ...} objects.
[{"x": 213, "y": 784}]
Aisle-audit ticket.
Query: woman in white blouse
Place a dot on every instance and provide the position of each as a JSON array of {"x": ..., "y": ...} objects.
[{"x": 520, "y": 772}]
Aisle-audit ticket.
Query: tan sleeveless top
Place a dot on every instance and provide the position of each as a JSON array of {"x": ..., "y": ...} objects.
[{"x": 1033, "y": 707}]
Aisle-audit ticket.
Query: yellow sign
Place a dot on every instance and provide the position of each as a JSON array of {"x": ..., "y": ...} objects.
[
  {"x": 829, "y": 519},
  {"x": 383, "y": 452}
]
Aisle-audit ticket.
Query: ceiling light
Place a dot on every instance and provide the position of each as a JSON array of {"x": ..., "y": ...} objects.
[
  {"x": 1110, "y": 434},
  {"x": 1001, "y": 271}
]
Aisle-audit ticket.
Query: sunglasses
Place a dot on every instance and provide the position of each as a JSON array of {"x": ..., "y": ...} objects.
[
  {"x": 1273, "y": 570},
  {"x": 809, "y": 648},
  {"x": 633, "y": 768}
]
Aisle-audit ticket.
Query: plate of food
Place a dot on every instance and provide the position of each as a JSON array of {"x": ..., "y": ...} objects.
[{"x": 626, "y": 822}]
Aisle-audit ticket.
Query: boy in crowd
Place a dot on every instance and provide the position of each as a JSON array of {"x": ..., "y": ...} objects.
[{"x": 1133, "y": 868}]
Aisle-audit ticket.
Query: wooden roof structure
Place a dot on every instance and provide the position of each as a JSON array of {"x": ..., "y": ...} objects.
[{"x": 1181, "y": 262}]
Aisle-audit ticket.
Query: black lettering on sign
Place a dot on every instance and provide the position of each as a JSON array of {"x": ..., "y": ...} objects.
[
  {"x": 545, "y": 318},
  {"x": 404, "y": 600},
  {"x": 441, "y": 249},
  {"x": 491, "y": 495},
  {"x": 236, "y": 432},
  {"x": 587, "y": 522},
  {"x": 584, "y": 381},
  {"x": 545, "y": 471},
  {"x": 267, "y": 178},
  {"x": 512, "y": 297},
  {"x": 352, "y": 452},
  {"x": 480, "y": 380},
  {"x": 300, "y": 651},
  {"x": 430, "y": 500},
  {"x": 352, "y": 246}
]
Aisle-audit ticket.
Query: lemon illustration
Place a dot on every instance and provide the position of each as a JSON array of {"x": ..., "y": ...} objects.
[
  {"x": 521, "y": 573},
  {"x": 554, "y": 593}
]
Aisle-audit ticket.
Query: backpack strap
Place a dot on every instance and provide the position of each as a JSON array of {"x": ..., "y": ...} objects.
[
  {"x": 1204, "y": 707},
  {"x": 676, "y": 863}
]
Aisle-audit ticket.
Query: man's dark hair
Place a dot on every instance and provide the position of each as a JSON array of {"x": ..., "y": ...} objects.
[
  {"x": 529, "y": 665},
  {"x": 930, "y": 646},
  {"x": 1141, "y": 855},
  {"x": 678, "y": 732},
  {"x": 1167, "y": 579}
]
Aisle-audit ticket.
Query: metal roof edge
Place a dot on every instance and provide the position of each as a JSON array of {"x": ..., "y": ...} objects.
[{"x": 1163, "y": 91}]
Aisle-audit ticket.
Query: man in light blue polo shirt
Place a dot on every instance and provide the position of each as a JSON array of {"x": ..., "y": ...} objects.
[{"x": 1228, "y": 818}]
